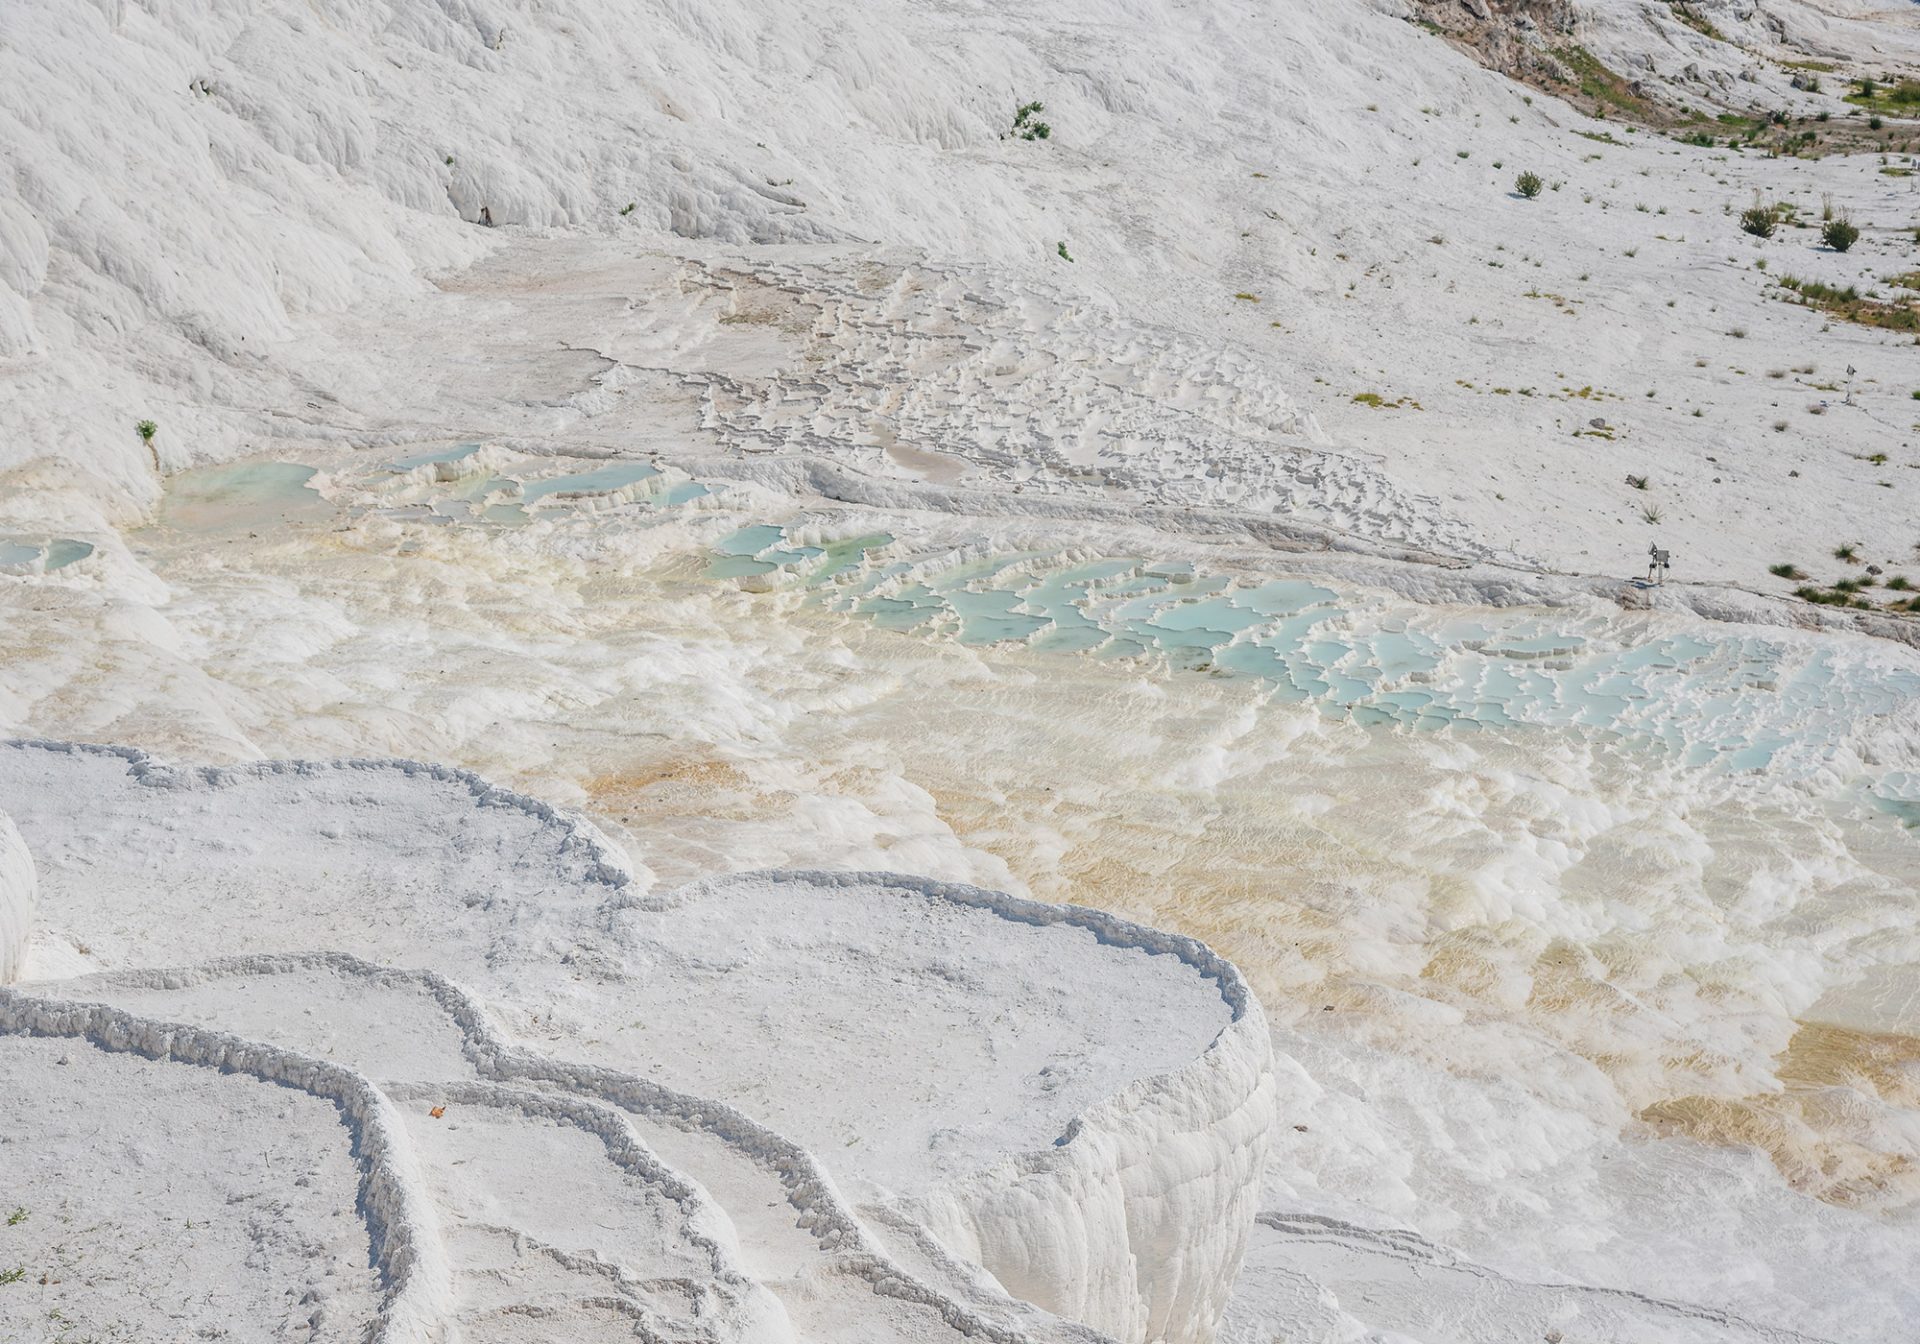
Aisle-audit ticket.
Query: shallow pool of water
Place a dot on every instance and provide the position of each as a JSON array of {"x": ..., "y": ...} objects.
[
  {"x": 63, "y": 551},
  {"x": 1734, "y": 705},
  {"x": 600, "y": 481},
  {"x": 240, "y": 497}
]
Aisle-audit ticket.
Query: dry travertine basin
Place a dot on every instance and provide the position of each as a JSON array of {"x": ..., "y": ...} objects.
[{"x": 767, "y": 1106}]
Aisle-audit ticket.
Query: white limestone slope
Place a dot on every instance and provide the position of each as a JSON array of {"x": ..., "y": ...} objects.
[
  {"x": 1267, "y": 280},
  {"x": 154, "y": 1198},
  {"x": 187, "y": 184},
  {"x": 16, "y": 900},
  {"x": 759, "y": 1105},
  {"x": 1125, "y": 1224},
  {"x": 397, "y": 1224},
  {"x": 1281, "y": 214}
]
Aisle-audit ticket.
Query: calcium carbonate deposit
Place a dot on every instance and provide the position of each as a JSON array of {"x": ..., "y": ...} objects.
[{"x": 860, "y": 670}]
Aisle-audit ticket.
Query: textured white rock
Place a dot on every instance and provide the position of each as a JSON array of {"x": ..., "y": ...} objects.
[
  {"x": 1081, "y": 1102},
  {"x": 205, "y": 207},
  {"x": 197, "y": 192},
  {"x": 1136, "y": 1222},
  {"x": 410, "y": 1258},
  {"x": 16, "y": 900}
]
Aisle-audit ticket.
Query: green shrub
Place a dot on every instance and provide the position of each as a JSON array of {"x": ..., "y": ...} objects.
[
  {"x": 1819, "y": 292},
  {"x": 1027, "y": 124},
  {"x": 1839, "y": 233},
  {"x": 147, "y": 430},
  {"x": 1850, "y": 305},
  {"x": 1823, "y": 599},
  {"x": 1528, "y": 185},
  {"x": 1758, "y": 220}
]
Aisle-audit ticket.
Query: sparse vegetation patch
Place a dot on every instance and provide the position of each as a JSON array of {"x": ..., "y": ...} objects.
[
  {"x": 1850, "y": 305},
  {"x": 1600, "y": 84},
  {"x": 1027, "y": 124}
]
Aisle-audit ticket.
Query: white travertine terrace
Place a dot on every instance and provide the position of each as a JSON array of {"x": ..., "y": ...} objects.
[
  {"x": 893, "y": 537},
  {"x": 16, "y": 900},
  {"x": 1072, "y": 1103}
]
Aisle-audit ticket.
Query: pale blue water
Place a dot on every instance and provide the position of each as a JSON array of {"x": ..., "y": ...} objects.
[
  {"x": 1283, "y": 597},
  {"x": 740, "y": 553},
  {"x": 751, "y": 540},
  {"x": 780, "y": 558},
  {"x": 903, "y": 612},
  {"x": 1736, "y": 704},
  {"x": 476, "y": 488},
  {"x": 506, "y": 501},
  {"x": 760, "y": 550},
  {"x": 989, "y": 617},
  {"x": 846, "y": 556},
  {"x": 1898, "y": 795},
  {"x": 1070, "y": 629},
  {"x": 1739, "y": 703},
  {"x": 602, "y": 480},
  {"x": 63, "y": 551},
  {"x": 242, "y": 496}
]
